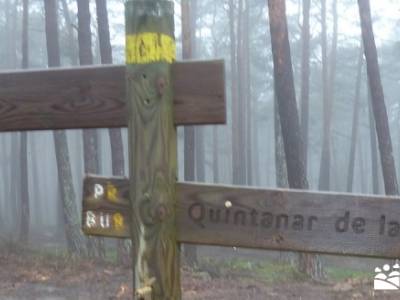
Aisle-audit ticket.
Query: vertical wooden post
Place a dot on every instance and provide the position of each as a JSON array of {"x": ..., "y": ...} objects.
[{"x": 150, "y": 50}]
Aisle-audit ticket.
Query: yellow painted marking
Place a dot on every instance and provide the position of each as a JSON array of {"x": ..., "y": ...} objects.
[
  {"x": 112, "y": 192},
  {"x": 118, "y": 221},
  {"x": 148, "y": 47}
]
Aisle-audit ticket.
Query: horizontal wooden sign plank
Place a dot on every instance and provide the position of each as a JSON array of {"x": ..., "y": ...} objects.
[
  {"x": 334, "y": 223},
  {"x": 94, "y": 96}
]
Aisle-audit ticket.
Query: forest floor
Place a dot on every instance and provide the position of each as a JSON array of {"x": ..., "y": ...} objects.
[{"x": 33, "y": 275}]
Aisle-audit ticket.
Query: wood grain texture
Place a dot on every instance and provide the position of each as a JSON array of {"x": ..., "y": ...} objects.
[
  {"x": 199, "y": 92},
  {"x": 93, "y": 97},
  {"x": 257, "y": 219},
  {"x": 152, "y": 156}
]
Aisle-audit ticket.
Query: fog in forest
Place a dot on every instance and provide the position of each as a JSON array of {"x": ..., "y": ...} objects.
[{"x": 42, "y": 171}]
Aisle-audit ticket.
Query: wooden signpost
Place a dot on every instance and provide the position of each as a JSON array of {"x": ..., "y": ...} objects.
[
  {"x": 295, "y": 220},
  {"x": 152, "y": 95}
]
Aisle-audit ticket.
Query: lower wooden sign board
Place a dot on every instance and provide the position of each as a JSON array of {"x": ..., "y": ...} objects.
[{"x": 295, "y": 220}]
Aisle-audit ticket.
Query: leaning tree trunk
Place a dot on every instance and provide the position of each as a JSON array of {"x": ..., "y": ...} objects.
[
  {"x": 117, "y": 150},
  {"x": 354, "y": 130},
  {"x": 281, "y": 173},
  {"x": 75, "y": 239},
  {"x": 90, "y": 137},
  {"x": 378, "y": 101},
  {"x": 375, "y": 174},
  {"x": 289, "y": 119},
  {"x": 280, "y": 160}
]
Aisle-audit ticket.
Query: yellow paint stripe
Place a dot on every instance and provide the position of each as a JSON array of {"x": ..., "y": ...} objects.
[{"x": 148, "y": 47}]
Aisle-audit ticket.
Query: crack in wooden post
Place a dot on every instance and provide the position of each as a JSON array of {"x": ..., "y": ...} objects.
[{"x": 150, "y": 50}]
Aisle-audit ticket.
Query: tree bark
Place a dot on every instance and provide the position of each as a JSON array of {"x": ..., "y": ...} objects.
[
  {"x": 328, "y": 92},
  {"x": 305, "y": 78},
  {"x": 248, "y": 104},
  {"x": 5, "y": 172},
  {"x": 84, "y": 33},
  {"x": 363, "y": 184},
  {"x": 75, "y": 239},
  {"x": 188, "y": 49},
  {"x": 354, "y": 130},
  {"x": 374, "y": 147},
  {"x": 15, "y": 169},
  {"x": 72, "y": 50},
  {"x": 289, "y": 119},
  {"x": 10, "y": 8},
  {"x": 378, "y": 100},
  {"x": 90, "y": 137},
  {"x": 25, "y": 211},
  {"x": 238, "y": 158},
  {"x": 280, "y": 159},
  {"x": 115, "y": 135}
]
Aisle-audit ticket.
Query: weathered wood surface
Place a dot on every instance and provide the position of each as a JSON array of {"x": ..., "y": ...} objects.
[
  {"x": 92, "y": 97},
  {"x": 335, "y": 223},
  {"x": 107, "y": 202},
  {"x": 150, "y": 50}
]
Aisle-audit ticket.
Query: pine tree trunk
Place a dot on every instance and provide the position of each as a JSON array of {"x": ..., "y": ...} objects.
[
  {"x": 305, "y": 78},
  {"x": 248, "y": 104},
  {"x": 115, "y": 135},
  {"x": 289, "y": 119},
  {"x": 15, "y": 196},
  {"x": 5, "y": 172},
  {"x": 25, "y": 211},
  {"x": 216, "y": 137},
  {"x": 281, "y": 172},
  {"x": 363, "y": 185},
  {"x": 199, "y": 154},
  {"x": 35, "y": 174},
  {"x": 374, "y": 147},
  {"x": 215, "y": 155},
  {"x": 188, "y": 49},
  {"x": 378, "y": 101},
  {"x": 75, "y": 239},
  {"x": 90, "y": 137},
  {"x": 280, "y": 160},
  {"x": 354, "y": 130},
  {"x": 11, "y": 14},
  {"x": 237, "y": 162},
  {"x": 72, "y": 50},
  {"x": 328, "y": 95}
]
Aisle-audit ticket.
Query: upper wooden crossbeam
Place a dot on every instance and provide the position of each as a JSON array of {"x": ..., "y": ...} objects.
[
  {"x": 94, "y": 97},
  {"x": 295, "y": 220}
]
